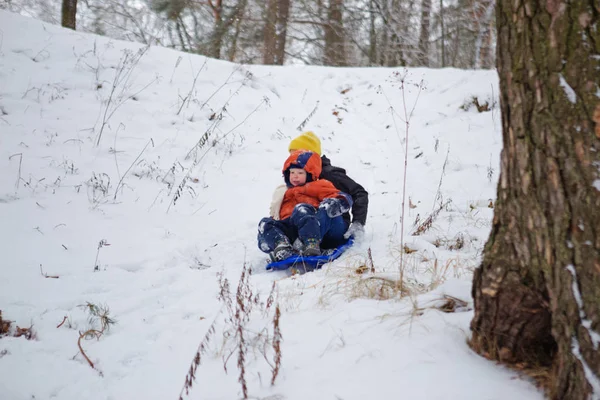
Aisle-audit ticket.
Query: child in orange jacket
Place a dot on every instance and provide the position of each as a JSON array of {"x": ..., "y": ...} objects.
[{"x": 311, "y": 211}]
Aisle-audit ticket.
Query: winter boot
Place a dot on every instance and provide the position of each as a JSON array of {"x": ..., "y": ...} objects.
[
  {"x": 312, "y": 248},
  {"x": 298, "y": 246},
  {"x": 282, "y": 251}
]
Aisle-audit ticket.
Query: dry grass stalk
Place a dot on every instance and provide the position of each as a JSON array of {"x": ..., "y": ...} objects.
[
  {"x": 190, "y": 377},
  {"x": 46, "y": 275},
  {"x": 240, "y": 308},
  {"x": 438, "y": 275},
  {"x": 422, "y": 227},
  {"x": 19, "y": 173},
  {"x": 303, "y": 123},
  {"x": 224, "y": 295},
  {"x": 456, "y": 243},
  {"x": 276, "y": 344},
  {"x": 362, "y": 286},
  {"x": 242, "y": 315},
  {"x": 358, "y": 279},
  {"x": 451, "y": 304},
  {"x": 271, "y": 298},
  {"x": 371, "y": 263}
]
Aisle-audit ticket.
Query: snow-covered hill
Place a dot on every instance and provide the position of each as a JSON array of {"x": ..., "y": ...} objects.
[{"x": 133, "y": 179}]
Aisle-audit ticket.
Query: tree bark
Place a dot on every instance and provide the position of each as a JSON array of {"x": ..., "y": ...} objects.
[
  {"x": 397, "y": 26},
  {"x": 423, "y": 57},
  {"x": 275, "y": 31},
  {"x": 222, "y": 23},
  {"x": 537, "y": 291},
  {"x": 443, "y": 34},
  {"x": 69, "y": 13},
  {"x": 372, "y": 35},
  {"x": 335, "y": 51},
  {"x": 269, "y": 33},
  {"x": 283, "y": 14},
  {"x": 219, "y": 29},
  {"x": 482, "y": 12}
]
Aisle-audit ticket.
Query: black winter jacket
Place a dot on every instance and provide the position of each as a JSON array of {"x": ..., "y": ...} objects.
[{"x": 343, "y": 182}]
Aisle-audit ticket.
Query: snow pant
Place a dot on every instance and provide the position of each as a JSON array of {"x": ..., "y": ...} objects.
[{"x": 306, "y": 222}]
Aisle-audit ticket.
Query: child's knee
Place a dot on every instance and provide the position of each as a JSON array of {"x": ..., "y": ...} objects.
[
  {"x": 303, "y": 209},
  {"x": 264, "y": 223}
]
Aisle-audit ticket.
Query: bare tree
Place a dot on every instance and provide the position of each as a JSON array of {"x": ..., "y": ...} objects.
[
  {"x": 482, "y": 18},
  {"x": 335, "y": 51},
  {"x": 69, "y": 13},
  {"x": 396, "y": 36},
  {"x": 537, "y": 291},
  {"x": 423, "y": 56},
  {"x": 442, "y": 35},
  {"x": 275, "y": 31},
  {"x": 222, "y": 21},
  {"x": 458, "y": 33},
  {"x": 372, "y": 34}
]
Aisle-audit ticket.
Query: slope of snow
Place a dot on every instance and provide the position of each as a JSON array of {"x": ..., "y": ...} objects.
[{"x": 137, "y": 176}]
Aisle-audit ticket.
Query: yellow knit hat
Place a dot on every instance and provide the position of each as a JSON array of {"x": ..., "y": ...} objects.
[{"x": 307, "y": 141}]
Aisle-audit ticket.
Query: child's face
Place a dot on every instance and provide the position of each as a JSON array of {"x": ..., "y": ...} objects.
[{"x": 297, "y": 176}]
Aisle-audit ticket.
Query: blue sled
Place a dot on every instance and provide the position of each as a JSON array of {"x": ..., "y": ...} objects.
[{"x": 310, "y": 261}]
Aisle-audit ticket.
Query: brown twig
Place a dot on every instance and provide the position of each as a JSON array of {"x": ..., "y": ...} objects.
[
  {"x": 371, "y": 264},
  {"x": 46, "y": 275},
  {"x": 62, "y": 323},
  {"x": 81, "y": 336}
]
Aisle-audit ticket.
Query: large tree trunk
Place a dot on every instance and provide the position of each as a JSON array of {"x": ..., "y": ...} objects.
[
  {"x": 482, "y": 12},
  {"x": 423, "y": 56},
  {"x": 442, "y": 35},
  {"x": 335, "y": 51},
  {"x": 222, "y": 23},
  {"x": 69, "y": 13},
  {"x": 283, "y": 14},
  {"x": 398, "y": 25},
  {"x": 537, "y": 291},
  {"x": 275, "y": 31},
  {"x": 372, "y": 35},
  {"x": 269, "y": 33},
  {"x": 219, "y": 29}
]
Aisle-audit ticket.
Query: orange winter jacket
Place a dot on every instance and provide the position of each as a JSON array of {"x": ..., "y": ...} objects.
[{"x": 314, "y": 191}]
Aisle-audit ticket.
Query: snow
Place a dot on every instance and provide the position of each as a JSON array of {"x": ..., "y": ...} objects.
[
  {"x": 191, "y": 150},
  {"x": 571, "y": 95},
  {"x": 585, "y": 322},
  {"x": 590, "y": 376}
]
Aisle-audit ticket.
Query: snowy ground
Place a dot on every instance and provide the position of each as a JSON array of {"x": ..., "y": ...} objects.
[{"x": 170, "y": 159}]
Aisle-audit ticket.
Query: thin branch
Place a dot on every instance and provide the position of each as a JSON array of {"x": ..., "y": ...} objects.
[{"x": 128, "y": 169}]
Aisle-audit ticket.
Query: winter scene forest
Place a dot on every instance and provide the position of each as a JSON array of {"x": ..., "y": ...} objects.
[{"x": 300, "y": 199}]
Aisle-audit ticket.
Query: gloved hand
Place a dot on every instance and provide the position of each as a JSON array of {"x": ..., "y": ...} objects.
[
  {"x": 356, "y": 230},
  {"x": 334, "y": 207}
]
